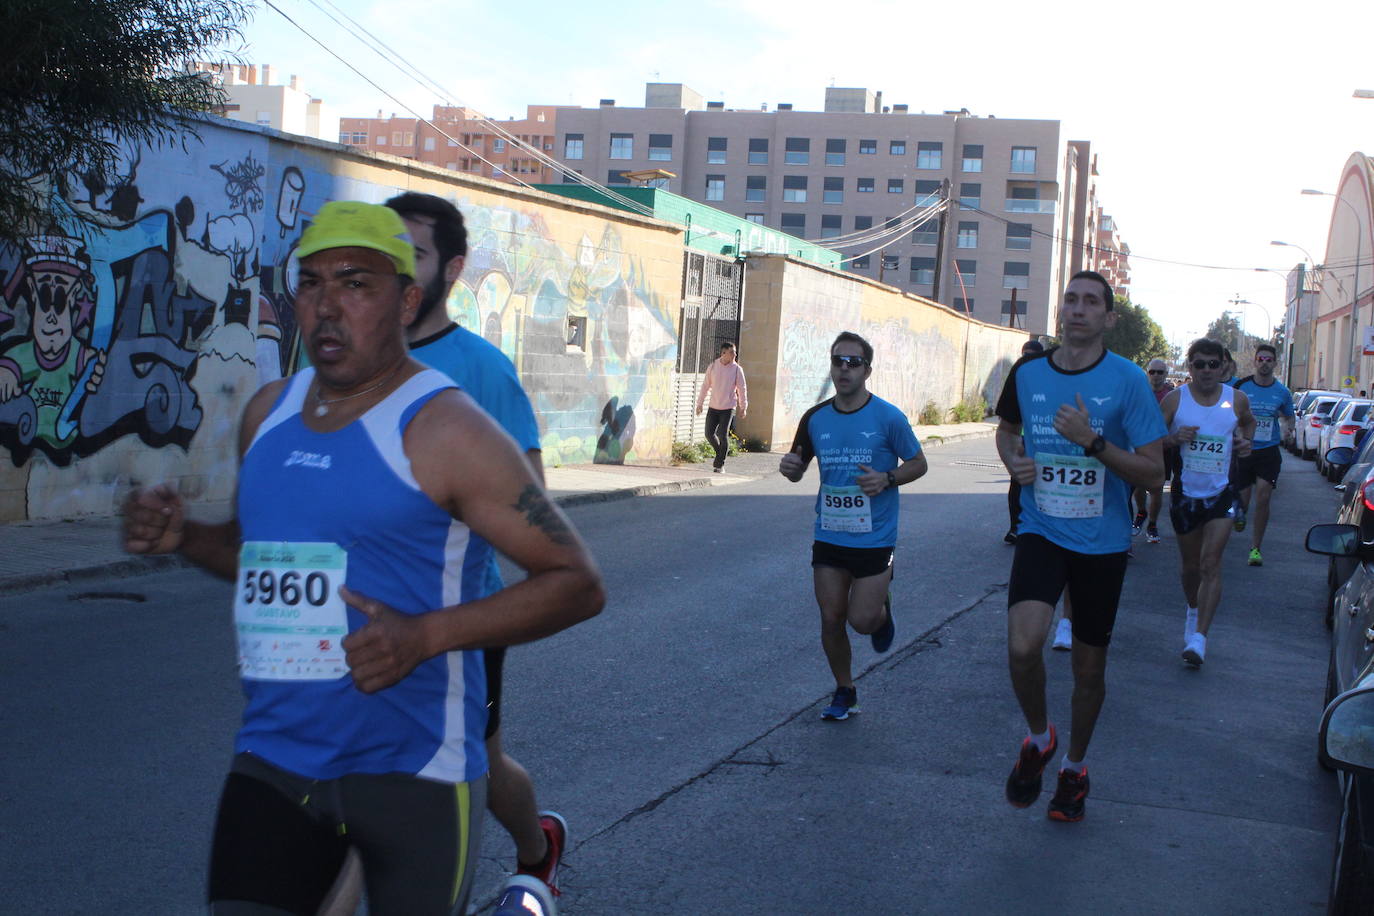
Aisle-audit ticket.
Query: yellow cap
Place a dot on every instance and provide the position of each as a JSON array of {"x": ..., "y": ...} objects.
[{"x": 350, "y": 224}]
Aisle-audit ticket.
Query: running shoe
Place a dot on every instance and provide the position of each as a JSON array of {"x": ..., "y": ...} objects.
[
  {"x": 844, "y": 703},
  {"x": 1067, "y": 804},
  {"x": 1239, "y": 523},
  {"x": 1195, "y": 649},
  {"x": 1024, "y": 783},
  {"x": 1063, "y": 635},
  {"x": 1009, "y": 537},
  {"x": 556, "y": 832},
  {"x": 1137, "y": 524},
  {"x": 882, "y": 637},
  {"x": 1255, "y": 558},
  {"x": 1152, "y": 534},
  {"x": 525, "y": 895}
]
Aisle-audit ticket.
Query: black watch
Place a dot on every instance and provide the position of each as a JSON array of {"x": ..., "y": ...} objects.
[
  {"x": 1095, "y": 447},
  {"x": 891, "y": 479}
]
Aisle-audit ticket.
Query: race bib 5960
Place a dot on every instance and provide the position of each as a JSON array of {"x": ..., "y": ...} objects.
[{"x": 290, "y": 619}]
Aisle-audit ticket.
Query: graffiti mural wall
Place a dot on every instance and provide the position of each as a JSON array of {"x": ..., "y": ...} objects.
[{"x": 133, "y": 331}]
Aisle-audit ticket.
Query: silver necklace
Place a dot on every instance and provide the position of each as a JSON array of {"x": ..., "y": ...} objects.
[{"x": 322, "y": 405}]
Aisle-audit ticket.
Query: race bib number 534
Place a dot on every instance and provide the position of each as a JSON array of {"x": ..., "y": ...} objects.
[{"x": 290, "y": 619}]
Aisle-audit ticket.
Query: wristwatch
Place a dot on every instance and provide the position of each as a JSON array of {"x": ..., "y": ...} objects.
[
  {"x": 1095, "y": 447},
  {"x": 891, "y": 479}
]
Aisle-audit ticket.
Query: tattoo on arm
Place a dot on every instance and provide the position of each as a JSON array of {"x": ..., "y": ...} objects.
[{"x": 541, "y": 514}]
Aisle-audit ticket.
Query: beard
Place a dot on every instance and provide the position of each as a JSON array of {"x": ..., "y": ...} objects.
[{"x": 436, "y": 293}]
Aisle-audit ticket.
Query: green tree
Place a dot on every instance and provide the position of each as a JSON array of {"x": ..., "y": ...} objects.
[
  {"x": 1136, "y": 335},
  {"x": 81, "y": 78},
  {"x": 1226, "y": 328}
]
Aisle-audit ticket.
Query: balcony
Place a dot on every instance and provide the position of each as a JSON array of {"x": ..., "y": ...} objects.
[{"x": 1016, "y": 205}]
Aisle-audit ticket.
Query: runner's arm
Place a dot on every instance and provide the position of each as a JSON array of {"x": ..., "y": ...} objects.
[
  {"x": 1011, "y": 448},
  {"x": 1245, "y": 425}
]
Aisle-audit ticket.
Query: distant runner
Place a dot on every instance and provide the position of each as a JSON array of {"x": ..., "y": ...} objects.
[
  {"x": 1272, "y": 404},
  {"x": 1149, "y": 502}
]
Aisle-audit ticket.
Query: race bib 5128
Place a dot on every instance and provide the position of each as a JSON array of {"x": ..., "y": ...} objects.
[{"x": 1069, "y": 486}]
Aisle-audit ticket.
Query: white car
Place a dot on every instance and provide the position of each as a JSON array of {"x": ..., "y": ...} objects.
[
  {"x": 1302, "y": 402},
  {"x": 1310, "y": 427},
  {"x": 1347, "y": 420}
]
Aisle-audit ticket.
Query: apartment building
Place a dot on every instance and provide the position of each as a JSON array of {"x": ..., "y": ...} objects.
[
  {"x": 1090, "y": 237},
  {"x": 251, "y": 96},
  {"x": 852, "y": 177},
  {"x": 461, "y": 139}
]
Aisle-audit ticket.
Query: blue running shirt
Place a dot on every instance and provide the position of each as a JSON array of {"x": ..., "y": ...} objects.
[
  {"x": 1077, "y": 502},
  {"x": 877, "y": 435},
  {"x": 351, "y": 492},
  {"x": 487, "y": 376},
  {"x": 1267, "y": 403}
]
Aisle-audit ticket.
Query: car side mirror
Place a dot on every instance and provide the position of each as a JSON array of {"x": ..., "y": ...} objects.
[
  {"x": 1342, "y": 456},
  {"x": 1347, "y": 731},
  {"x": 1334, "y": 540}
]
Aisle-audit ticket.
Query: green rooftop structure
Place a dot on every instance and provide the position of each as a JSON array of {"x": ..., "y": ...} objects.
[{"x": 706, "y": 228}]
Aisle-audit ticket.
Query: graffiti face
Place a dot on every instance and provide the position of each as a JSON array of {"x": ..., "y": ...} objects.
[{"x": 53, "y": 302}]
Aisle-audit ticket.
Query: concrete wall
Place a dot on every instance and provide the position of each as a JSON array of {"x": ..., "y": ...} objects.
[
  {"x": 922, "y": 352},
  {"x": 132, "y": 335}
]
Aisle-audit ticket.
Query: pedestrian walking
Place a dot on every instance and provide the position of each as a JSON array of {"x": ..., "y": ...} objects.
[{"x": 724, "y": 383}]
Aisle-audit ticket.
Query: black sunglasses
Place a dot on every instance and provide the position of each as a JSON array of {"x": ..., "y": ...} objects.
[
  {"x": 1158, "y": 371},
  {"x": 853, "y": 362},
  {"x": 1206, "y": 364}
]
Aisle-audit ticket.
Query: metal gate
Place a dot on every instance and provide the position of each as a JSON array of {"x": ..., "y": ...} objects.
[{"x": 712, "y": 289}]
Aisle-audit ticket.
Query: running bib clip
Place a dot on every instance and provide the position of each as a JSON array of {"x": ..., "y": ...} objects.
[
  {"x": 1208, "y": 454},
  {"x": 1069, "y": 486},
  {"x": 845, "y": 509},
  {"x": 290, "y": 619}
]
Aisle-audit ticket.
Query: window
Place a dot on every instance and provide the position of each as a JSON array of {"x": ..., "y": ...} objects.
[
  {"x": 859, "y": 263},
  {"x": 615, "y": 176},
  {"x": 1023, "y": 159},
  {"x": 658, "y": 183},
  {"x": 863, "y": 222},
  {"x": 797, "y": 151},
  {"x": 794, "y": 223},
  {"x": 451, "y": 166},
  {"x": 834, "y": 152},
  {"x": 930, "y": 155},
  {"x": 715, "y": 150},
  {"x": 661, "y": 147},
  {"x": 754, "y": 218},
  {"x": 964, "y": 305},
  {"x": 1018, "y": 236},
  {"x": 452, "y": 142},
  {"x": 410, "y": 138},
  {"x": 970, "y": 195},
  {"x": 1019, "y": 306},
  {"x": 923, "y": 271},
  {"x": 834, "y": 191},
  {"x": 756, "y": 188},
  {"x": 968, "y": 235},
  {"x": 498, "y": 145},
  {"x": 572, "y": 146},
  {"x": 868, "y": 147},
  {"x": 830, "y": 225},
  {"x": 927, "y": 191},
  {"x": 928, "y": 233},
  {"x": 794, "y": 189},
  {"x": 265, "y": 118},
  {"x": 360, "y": 136},
  {"x": 715, "y": 187},
  {"x": 758, "y": 151},
  {"x": 570, "y": 178},
  {"x": 896, "y": 148},
  {"x": 1016, "y": 275},
  {"x": 345, "y": 136},
  {"x": 381, "y": 140},
  {"x": 864, "y": 186},
  {"x": 429, "y": 144},
  {"x": 891, "y": 262},
  {"x": 622, "y": 146},
  {"x": 973, "y": 157},
  {"x": 577, "y": 333},
  {"x": 966, "y": 271},
  {"x": 895, "y": 186}
]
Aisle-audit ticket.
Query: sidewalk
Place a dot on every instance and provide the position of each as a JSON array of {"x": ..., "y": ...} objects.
[{"x": 36, "y": 554}]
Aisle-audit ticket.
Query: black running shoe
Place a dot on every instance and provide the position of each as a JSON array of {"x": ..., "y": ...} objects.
[
  {"x": 1137, "y": 523},
  {"x": 882, "y": 637},
  {"x": 1023, "y": 785},
  {"x": 1067, "y": 804},
  {"x": 1009, "y": 537}
]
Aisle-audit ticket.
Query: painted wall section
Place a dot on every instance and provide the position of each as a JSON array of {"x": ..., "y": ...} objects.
[
  {"x": 133, "y": 333},
  {"x": 923, "y": 352}
]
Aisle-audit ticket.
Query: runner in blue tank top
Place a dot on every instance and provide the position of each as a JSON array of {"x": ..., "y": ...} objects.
[
  {"x": 1078, "y": 428},
  {"x": 370, "y": 495},
  {"x": 440, "y": 237},
  {"x": 1272, "y": 404},
  {"x": 866, "y": 450}
]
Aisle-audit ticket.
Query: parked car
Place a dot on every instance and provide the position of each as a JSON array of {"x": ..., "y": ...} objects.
[
  {"x": 1302, "y": 404},
  {"x": 1309, "y": 430},
  {"x": 1346, "y": 732},
  {"x": 1347, "y": 419},
  {"x": 1356, "y": 508}
]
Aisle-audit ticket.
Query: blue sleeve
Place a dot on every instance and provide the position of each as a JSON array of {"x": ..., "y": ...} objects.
[
  {"x": 1286, "y": 406},
  {"x": 903, "y": 437},
  {"x": 503, "y": 398},
  {"x": 1143, "y": 420}
]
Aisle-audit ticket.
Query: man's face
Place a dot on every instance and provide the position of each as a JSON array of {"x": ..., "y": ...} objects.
[
  {"x": 727, "y": 355},
  {"x": 54, "y": 297},
  {"x": 1264, "y": 364},
  {"x": 1085, "y": 314},
  {"x": 433, "y": 278},
  {"x": 1208, "y": 369},
  {"x": 848, "y": 377},
  {"x": 1158, "y": 372},
  {"x": 352, "y": 312}
]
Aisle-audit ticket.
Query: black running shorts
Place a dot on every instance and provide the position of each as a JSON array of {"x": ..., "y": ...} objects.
[
  {"x": 1041, "y": 570},
  {"x": 280, "y": 839},
  {"x": 494, "y": 660},
  {"x": 1263, "y": 464},
  {"x": 1188, "y": 514},
  {"x": 859, "y": 562}
]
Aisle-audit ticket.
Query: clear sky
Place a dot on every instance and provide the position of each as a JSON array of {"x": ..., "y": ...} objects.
[{"x": 1208, "y": 117}]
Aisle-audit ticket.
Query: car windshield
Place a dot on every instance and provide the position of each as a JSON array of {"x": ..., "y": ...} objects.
[{"x": 1307, "y": 398}]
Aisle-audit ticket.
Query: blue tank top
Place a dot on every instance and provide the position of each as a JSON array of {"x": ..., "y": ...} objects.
[{"x": 354, "y": 488}]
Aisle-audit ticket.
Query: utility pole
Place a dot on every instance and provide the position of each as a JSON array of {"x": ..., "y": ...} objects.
[
  {"x": 1011, "y": 316},
  {"x": 882, "y": 263},
  {"x": 940, "y": 239}
]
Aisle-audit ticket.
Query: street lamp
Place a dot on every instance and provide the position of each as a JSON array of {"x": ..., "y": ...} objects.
[
  {"x": 1310, "y": 259},
  {"x": 1362, "y": 94},
  {"x": 1355, "y": 293}
]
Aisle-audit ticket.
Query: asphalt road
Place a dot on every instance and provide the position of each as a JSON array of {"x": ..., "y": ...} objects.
[{"x": 679, "y": 732}]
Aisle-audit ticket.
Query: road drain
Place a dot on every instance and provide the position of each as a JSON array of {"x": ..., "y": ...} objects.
[
  {"x": 131, "y": 597},
  {"x": 985, "y": 465}
]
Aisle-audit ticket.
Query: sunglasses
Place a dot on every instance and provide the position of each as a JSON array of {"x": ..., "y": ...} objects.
[
  {"x": 1206, "y": 364},
  {"x": 1158, "y": 371},
  {"x": 853, "y": 362}
]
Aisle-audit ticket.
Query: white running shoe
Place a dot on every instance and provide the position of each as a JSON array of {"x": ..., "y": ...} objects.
[
  {"x": 1190, "y": 622},
  {"x": 1195, "y": 650},
  {"x": 1063, "y": 635},
  {"x": 525, "y": 895}
]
